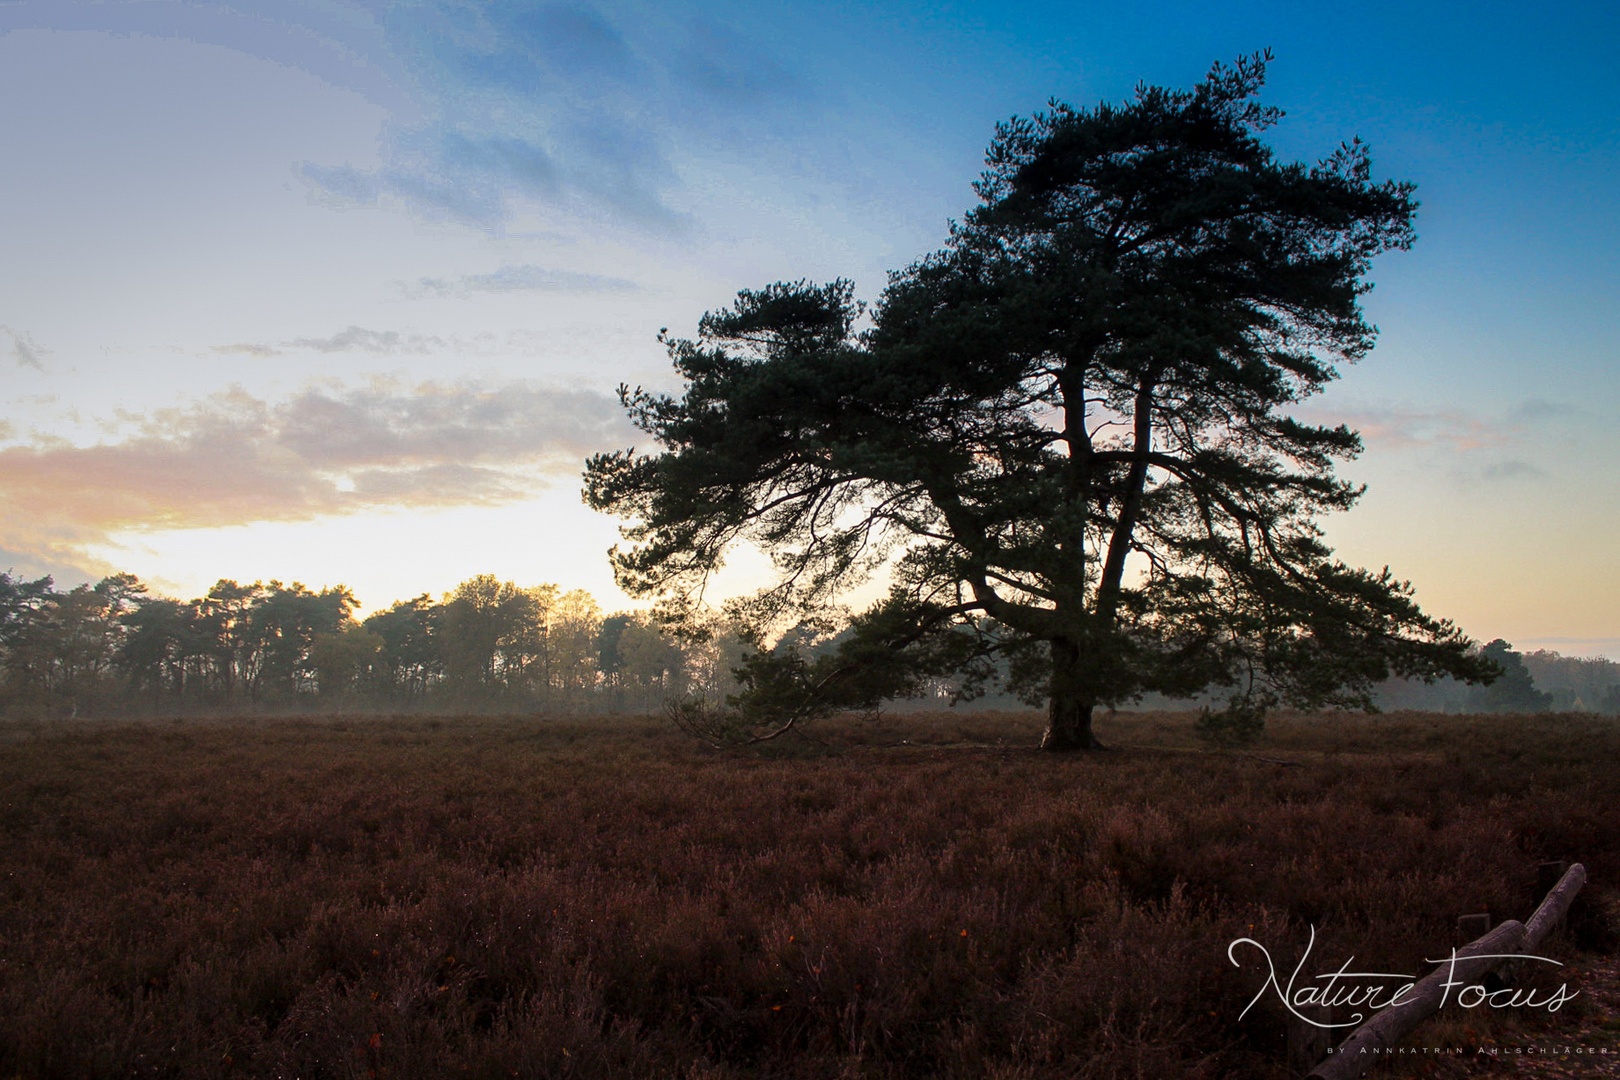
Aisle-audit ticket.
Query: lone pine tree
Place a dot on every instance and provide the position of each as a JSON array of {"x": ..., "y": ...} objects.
[{"x": 1065, "y": 436}]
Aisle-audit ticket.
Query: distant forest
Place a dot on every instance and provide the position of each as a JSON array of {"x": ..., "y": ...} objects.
[
  {"x": 1538, "y": 681},
  {"x": 116, "y": 648}
]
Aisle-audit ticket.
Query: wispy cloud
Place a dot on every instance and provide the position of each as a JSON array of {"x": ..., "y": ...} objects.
[
  {"x": 525, "y": 278},
  {"x": 351, "y": 339},
  {"x": 1400, "y": 428},
  {"x": 1538, "y": 412},
  {"x": 25, "y": 350},
  {"x": 235, "y": 459},
  {"x": 1498, "y": 451},
  {"x": 494, "y": 103},
  {"x": 376, "y": 342},
  {"x": 563, "y": 104},
  {"x": 527, "y": 102},
  {"x": 247, "y": 348},
  {"x": 1512, "y": 470}
]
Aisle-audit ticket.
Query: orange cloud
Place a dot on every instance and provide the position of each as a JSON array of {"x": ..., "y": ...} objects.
[{"x": 235, "y": 459}]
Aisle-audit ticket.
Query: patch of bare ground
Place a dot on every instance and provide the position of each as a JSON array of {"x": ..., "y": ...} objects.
[{"x": 910, "y": 895}]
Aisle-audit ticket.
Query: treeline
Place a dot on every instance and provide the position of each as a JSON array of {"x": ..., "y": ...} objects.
[
  {"x": 114, "y": 647},
  {"x": 1540, "y": 681},
  {"x": 1576, "y": 683}
]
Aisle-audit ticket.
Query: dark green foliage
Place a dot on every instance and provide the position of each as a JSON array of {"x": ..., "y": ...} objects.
[
  {"x": 1066, "y": 435},
  {"x": 1611, "y": 701},
  {"x": 890, "y": 651},
  {"x": 609, "y": 657},
  {"x": 1238, "y": 723},
  {"x": 62, "y": 649},
  {"x": 112, "y": 648},
  {"x": 283, "y": 626},
  {"x": 1514, "y": 691},
  {"x": 1576, "y": 683},
  {"x": 409, "y": 661},
  {"x": 641, "y": 666},
  {"x": 19, "y": 601}
]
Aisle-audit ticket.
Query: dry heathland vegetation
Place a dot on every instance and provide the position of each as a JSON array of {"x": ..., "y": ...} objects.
[{"x": 498, "y": 897}]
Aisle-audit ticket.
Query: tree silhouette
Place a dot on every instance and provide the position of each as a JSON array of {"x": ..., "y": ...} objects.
[
  {"x": 342, "y": 659},
  {"x": 478, "y": 622},
  {"x": 410, "y": 660},
  {"x": 159, "y": 637},
  {"x": 1514, "y": 691},
  {"x": 112, "y": 647},
  {"x": 1065, "y": 436},
  {"x": 284, "y": 622}
]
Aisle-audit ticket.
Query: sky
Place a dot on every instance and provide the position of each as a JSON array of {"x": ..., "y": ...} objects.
[{"x": 340, "y": 292}]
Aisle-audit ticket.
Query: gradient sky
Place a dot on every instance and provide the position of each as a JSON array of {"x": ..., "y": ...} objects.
[{"x": 338, "y": 291}]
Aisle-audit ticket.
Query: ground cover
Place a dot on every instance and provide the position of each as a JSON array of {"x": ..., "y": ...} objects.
[{"x": 919, "y": 895}]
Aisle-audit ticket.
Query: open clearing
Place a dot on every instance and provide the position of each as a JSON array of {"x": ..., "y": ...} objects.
[{"x": 921, "y": 895}]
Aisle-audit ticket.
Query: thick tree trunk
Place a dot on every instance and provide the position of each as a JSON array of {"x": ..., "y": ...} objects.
[{"x": 1068, "y": 725}]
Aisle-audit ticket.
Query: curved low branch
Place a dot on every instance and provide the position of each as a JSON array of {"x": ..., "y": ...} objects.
[{"x": 844, "y": 671}]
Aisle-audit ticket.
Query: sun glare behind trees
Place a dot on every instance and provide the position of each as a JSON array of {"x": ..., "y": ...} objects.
[{"x": 488, "y": 644}]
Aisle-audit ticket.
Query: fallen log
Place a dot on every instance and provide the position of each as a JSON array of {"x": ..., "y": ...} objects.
[
  {"x": 1555, "y": 906},
  {"x": 1387, "y": 1028},
  {"x": 1370, "y": 1041}
]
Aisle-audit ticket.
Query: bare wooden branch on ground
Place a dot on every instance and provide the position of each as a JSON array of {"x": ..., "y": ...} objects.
[{"x": 1473, "y": 962}]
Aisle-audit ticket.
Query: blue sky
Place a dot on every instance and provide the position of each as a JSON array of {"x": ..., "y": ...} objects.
[{"x": 337, "y": 291}]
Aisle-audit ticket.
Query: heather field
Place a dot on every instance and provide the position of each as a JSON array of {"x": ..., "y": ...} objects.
[{"x": 920, "y": 895}]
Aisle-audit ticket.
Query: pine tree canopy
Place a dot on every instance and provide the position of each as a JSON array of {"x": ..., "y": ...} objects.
[{"x": 1066, "y": 437}]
